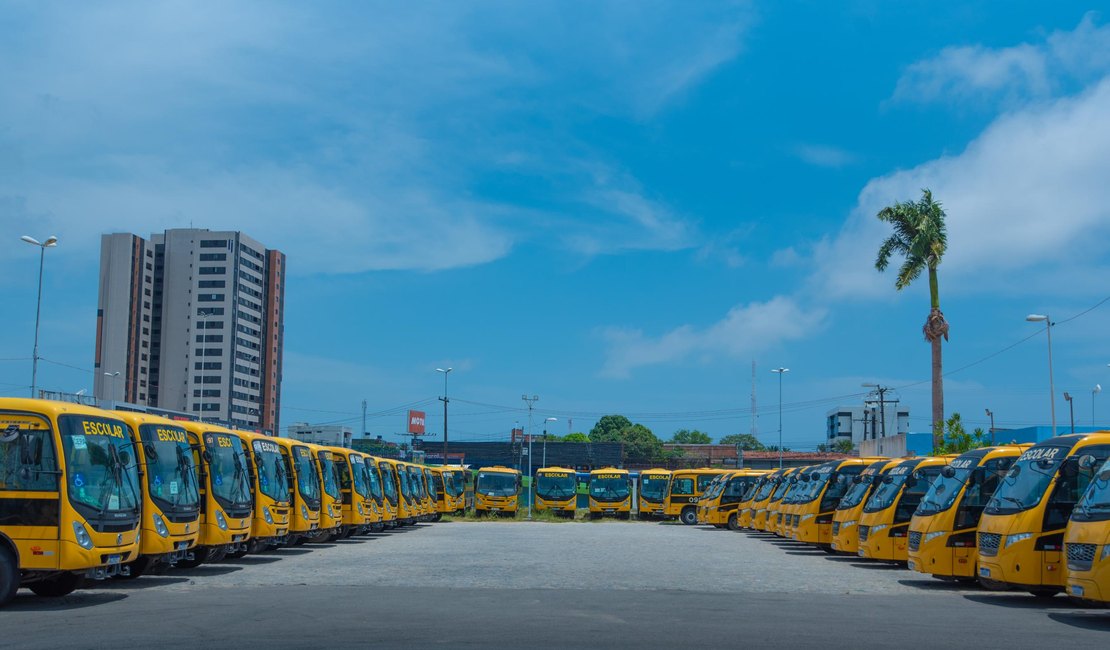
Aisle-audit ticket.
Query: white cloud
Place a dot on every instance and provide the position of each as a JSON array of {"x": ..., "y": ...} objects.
[
  {"x": 745, "y": 330},
  {"x": 958, "y": 74},
  {"x": 1030, "y": 190},
  {"x": 824, "y": 156},
  {"x": 353, "y": 142}
]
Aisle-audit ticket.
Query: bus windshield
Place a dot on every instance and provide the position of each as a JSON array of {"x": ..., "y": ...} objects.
[
  {"x": 713, "y": 490},
  {"x": 944, "y": 490},
  {"x": 171, "y": 477},
  {"x": 458, "y": 483},
  {"x": 358, "y": 476},
  {"x": 858, "y": 492},
  {"x": 555, "y": 485},
  {"x": 654, "y": 488},
  {"x": 609, "y": 487},
  {"x": 416, "y": 479},
  {"x": 494, "y": 484},
  {"x": 330, "y": 473},
  {"x": 373, "y": 480},
  {"x": 389, "y": 482},
  {"x": 817, "y": 480},
  {"x": 432, "y": 482},
  {"x": 102, "y": 475},
  {"x": 781, "y": 488},
  {"x": 889, "y": 489},
  {"x": 766, "y": 489},
  {"x": 308, "y": 479},
  {"x": 1028, "y": 480},
  {"x": 405, "y": 485},
  {"x": 272, "y": 479},
  {"x": 227, "y": 470},
  {"x": 1094, "y": 505}
]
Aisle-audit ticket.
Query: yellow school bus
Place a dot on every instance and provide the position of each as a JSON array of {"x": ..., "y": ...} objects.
[
  {"x": 943, "y": 529},
  {"x": 610, "y": 493},
  {"x": 884, "y": 526},
  {"x": 1021, "y": 534},
  {"x": 357, "y": 513},
  {"x": 758, "y": 507},
  {"x": 304, "y": 486},
  {"x": 744, "y": 508},
  {"x": 226, "y": 505},
  {"x": 69, "y": 491},
  {"x": 377, "y": 503},
  {"x": 722, "y": 504},
  {"x": 774, "y": 504},
  {"x": 170, "y": 491},
  {"x": 497, "y": 490},
  {"x": 420, "y": 491},
  {"x": 410, "y": 506},
  {"x": 1087, "y": 540},
  {"x": 437, "y": 492},
  {"x": 708, "y": 495},
  {"x": 652, "y": 492},
  {"x": 845, "y": 528},
  {"x": 683, "y": 492},
  {"x": 391, "y": 493},
  {"x": 557, "y": 491},
  {"x": 270, "y": 489},
  {"x": 783, "y": 514},
  {"x": 455, "y": 478},
  {"x": 828, "y": 482},
  {"x": 331, "y": 496}
]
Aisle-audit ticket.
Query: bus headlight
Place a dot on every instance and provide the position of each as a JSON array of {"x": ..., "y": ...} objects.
[
  {"x": 847, "y": 524},
  {"x": 875, "y": 529},
  {"x": 266, "y": 515},
  {"x": 359, "y": 508},
  {"x": 304, "y": 511},
  {"x": 160, "y": 526},
  {"x": 1018, "y": 537},
  {"x": 805, "y": 518},
  {"x": 1105, "y": 552},
  {"x": 82, "y": 535},
  {"x": 935, "y": 534},
  {"x": 220, "y": 521}
]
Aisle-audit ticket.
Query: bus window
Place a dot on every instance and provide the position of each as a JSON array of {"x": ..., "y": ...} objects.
[
  {"x": 985, "y": 480},
  {"x": 28, "y": 462},
  {"x": 684, "y": 485},
  {"x": 704, "y": 480}
]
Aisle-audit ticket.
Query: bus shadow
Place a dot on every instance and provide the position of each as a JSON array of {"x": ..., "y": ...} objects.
[
  {"x": 28, "y": 602},
  {"x": 1099, "y": 621},
  {"x": 1017, "y": 600},
  {"x": 802, "y": 551},
  {"x": 142, "y": 582},
  {"x": 879, "y": 566},
  {"x": 941, "y": 585},
  {"x": 253, "y": 560},
  {"x": 291, "y": 551},
  {"x": 208, "y": 570}
]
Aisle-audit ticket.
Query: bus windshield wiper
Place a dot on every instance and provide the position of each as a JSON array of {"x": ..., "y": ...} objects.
[{"x": 187, "y": 473}]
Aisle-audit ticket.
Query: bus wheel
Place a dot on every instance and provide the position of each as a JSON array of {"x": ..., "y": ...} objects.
[
  {"x": 733, "y": 525},
  {"x": 994, "y": 585},
  {"x": 9, "y": 577},
  {"x": 1044, "y": 593},
  {"x": 689, "y": 516},
  {"x": 60, "y": 585},
  {"x": 200, "y": 555},
  {"x": 235, "y": 555}
]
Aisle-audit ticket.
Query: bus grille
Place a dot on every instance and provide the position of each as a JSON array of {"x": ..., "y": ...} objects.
[
  {"x": 797, "y": 520},
  {"x": 1080, "y": 556},
  {"x": 915, "y": 540},
  {"x": 836, "y": 528},
  {"x": 988, "y": 544},
  {"x": 863, "y": 531}
]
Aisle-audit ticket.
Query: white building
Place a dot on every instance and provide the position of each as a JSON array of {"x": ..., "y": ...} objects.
[
  {"x": 860, "y": 423},
  {"x": 333, "y": 435}
]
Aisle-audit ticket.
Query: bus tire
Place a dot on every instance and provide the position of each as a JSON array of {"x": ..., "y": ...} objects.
[
  {"x": 689, "y": 516},
  {"x": 733, "y": 525},
  {"x": 134, "y": 569},
  {"x": 1044, "y": 593},
  {"x": 235, "y": 555},
  {"x": 200, "y": 556},
  {"x": 9, "y": 576},
  {"x": 57, "y": 586}
]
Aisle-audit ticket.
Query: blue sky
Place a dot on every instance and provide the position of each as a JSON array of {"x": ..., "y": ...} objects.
[{"x": 616, "y": 207}]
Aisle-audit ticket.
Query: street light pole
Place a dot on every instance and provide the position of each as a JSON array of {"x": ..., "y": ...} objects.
[
  {"x": 780, "y": 372},
  {"x": 990, "y": 414},
  {"x": 1071, "y": 409},
  {"x": 881, "y": 390},
  {"x": 530, "y": 401},
  {"x": 1094, "y": 391},
  {"x": 545, "y": 438},
  {"x": 113, "y": 376},
  {"x": 1036, "y": 318},
  {"x": 50, "y": 242},
  {"x": 444, "y": 400}
]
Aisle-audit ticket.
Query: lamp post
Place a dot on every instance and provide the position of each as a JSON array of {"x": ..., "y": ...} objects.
[
  {"x": 530, "y": 401},
  {"x": 50, "y": 242},
  {"x": 1094, "y": 391},
  {"x": 990, "y": 414},
  {"x": 881, "y": 390},
  {"x": 1036, "y": 318},
  {"x": 1071, "y": 409},
  {"x": 444, "y": 400},
  {"x": 545, "y": 438},
  {"x": 113, "y": 376},
  {"x": 780, "y": 372}
]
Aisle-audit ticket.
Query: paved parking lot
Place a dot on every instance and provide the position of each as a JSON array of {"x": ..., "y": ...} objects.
[{"x": 545, "y": 585}]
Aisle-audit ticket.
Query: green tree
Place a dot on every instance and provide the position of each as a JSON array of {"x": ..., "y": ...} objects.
[
  {"x": 747, "y": 441},
  {"x": 688, "y": 437},
  {"x": 956, "y": 440},
  {"x": 577, "y": 436},
  {"x": 840, "y": 447},
  {"x": 607, "y": 426},
  {"x": 921, "y": 237}
]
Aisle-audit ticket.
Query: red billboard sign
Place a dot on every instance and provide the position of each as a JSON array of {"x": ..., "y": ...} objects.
[{"x": 416, "y": 423}]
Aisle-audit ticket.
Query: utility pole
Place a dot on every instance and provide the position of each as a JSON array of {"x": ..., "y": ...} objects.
[
  {"x": 363, "y": 418},
  {"x": 753, "y": 400},
  {"x": 881, "y": 390},
  {"x": 444, "y": 400},
  {"x": 990, "y": 414},
  {"x": 530, "y": 401}
]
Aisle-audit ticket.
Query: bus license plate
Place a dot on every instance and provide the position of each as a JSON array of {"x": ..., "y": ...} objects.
[
  {"x": 182, "y": 546},
  {"x": 114, "y": 559},
  {"x": 608, "y": 510},
  {"x": 1077, "y": 591},
  {"x": 984, "y": 572},
  {"x": 494, "y": 509}
]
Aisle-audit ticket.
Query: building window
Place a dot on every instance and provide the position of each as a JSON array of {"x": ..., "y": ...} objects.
[
  {"x": 210, "y": 338},
  {"x": 210, "y": 311},
  {"x": 212, "y": 284},
  {"x": 208, "y": 365},
  {"x": 213, "y": 243},
  {"x": 210, "y": 297},
  {"x": 213, "y": 257},
  {"x": 213, "y": 270}
]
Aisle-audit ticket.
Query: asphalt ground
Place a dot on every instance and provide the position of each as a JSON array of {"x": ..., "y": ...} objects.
[{"x": 539, "y": 585}]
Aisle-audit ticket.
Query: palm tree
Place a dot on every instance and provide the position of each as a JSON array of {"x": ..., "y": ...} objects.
[{"x": 920, "y": 237}]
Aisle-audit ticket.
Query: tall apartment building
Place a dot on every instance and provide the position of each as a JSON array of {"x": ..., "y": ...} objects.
[
  {"x": 859, "y": 423},
  {"x": 192, "y": 321}
]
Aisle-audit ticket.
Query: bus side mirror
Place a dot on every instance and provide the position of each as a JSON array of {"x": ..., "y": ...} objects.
[
  {"x": 1070, "y": 468},
  {"x": 857, "y": 479},
  {"x": 947, "y": 471},
  {"x": 975, "y": 476},
  {"x": 911, "y": 481},
  {"x": 1087, "y": 461},
  {"x": 1104, "y": 475},
  {"x": 30, "y": 449},
  {"x": 206, "y": 455},
  {"x": 150, "y": 451},
  {"x": 10, "y": 434},
  {"x": 888, "y": 479}
]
